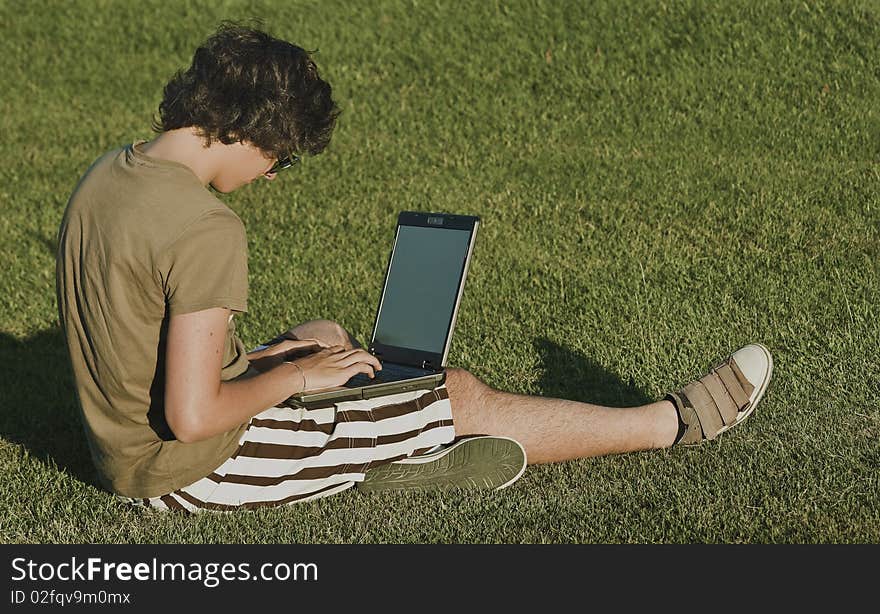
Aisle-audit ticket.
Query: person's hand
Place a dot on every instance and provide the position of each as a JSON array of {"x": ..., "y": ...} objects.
[
  {"x": 288, "y": 349},
  {"x": 335, "y": 365}
]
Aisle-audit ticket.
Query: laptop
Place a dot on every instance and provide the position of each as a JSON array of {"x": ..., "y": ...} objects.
[{"x": 418, "y": 306}]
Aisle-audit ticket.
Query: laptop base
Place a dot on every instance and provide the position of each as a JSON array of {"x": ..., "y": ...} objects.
[{"x": 311, "y": 399}]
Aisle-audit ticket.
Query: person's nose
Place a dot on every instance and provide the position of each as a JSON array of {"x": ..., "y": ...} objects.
[{"x": 270, "y": 176}]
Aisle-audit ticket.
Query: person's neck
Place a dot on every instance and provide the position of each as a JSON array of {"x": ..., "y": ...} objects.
[{"x": 185, "y": 147}]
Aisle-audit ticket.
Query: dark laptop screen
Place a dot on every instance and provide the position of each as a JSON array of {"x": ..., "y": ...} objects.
[{"x": 422, "y": 287}]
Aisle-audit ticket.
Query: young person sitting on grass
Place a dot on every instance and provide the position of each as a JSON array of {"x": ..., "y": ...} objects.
[{"x": 152, "y": 270}]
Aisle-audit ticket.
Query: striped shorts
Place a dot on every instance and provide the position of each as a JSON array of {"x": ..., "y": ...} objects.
[{"x": 288, "y": 455}]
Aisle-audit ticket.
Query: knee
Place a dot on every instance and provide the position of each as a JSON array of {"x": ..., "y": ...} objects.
[
  {"x": 464, "y": 384},
  {"x": 334, "y": 334},
  {"x": 327, "y": 331},
  {"x": 469, "y": 398}
]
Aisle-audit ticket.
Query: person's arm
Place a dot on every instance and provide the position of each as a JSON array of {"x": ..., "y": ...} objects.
[{"x": 199, "y": 405}]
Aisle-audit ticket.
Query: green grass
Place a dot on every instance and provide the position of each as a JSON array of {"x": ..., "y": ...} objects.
[{"x": 660, "y": 183}]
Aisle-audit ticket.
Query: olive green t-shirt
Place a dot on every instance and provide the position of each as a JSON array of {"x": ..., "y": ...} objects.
[{"x": 142, "y": 240}]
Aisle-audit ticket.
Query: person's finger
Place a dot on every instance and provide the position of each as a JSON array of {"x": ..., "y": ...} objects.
[
  {"x": 360, "y": 367},
  {"x": 358, "y": 355},
  {"x": 343, "y": 360},
  {"x": 372, "y": 360},
  {"x": 333, "y": 349},
  {"x": 365, "y": 356}
]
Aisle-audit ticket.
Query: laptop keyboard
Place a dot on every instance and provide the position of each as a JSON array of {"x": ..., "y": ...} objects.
[{"x": 390, "y": 373}]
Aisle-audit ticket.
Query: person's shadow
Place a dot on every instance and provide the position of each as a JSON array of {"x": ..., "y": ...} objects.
[
  {"x": 38, "y": 404},
  {"x": 572, "y": 376}
]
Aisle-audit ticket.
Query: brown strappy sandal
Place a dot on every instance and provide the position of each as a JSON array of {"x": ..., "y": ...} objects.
[{"x": 724, "y": 397}]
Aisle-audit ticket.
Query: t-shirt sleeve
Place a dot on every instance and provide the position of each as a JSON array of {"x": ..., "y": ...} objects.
[{"x": 206, "y": 266}]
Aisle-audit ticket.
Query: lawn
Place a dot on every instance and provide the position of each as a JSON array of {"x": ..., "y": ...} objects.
[{"x": 659, "y": 184}]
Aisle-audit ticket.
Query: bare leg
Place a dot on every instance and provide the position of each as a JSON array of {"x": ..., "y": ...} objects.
[
  {"x": 550, "y": 429},
  {"x": 555, "y": 429}
]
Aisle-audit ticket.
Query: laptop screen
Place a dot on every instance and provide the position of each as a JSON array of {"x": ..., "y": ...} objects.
[{"x": 422, "y": 287}]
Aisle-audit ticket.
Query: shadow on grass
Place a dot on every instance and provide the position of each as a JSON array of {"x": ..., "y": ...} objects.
[
  {"x": 572, "y": 376},
  {"x": 38, "y": 406}
]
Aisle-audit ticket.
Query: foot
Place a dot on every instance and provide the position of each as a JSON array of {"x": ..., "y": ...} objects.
[
  {"x": 474, "y": 463},
  {"x": 724, "y": 397}
]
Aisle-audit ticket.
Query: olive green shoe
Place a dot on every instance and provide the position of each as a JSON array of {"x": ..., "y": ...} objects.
[{"x": 482, "y": 462}]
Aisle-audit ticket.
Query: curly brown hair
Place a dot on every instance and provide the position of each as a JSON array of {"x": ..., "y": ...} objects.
[{"x": 246, "y": 86}]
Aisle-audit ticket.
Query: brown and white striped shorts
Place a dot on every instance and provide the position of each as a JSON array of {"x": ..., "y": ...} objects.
[{"x": 288, "y": 455}]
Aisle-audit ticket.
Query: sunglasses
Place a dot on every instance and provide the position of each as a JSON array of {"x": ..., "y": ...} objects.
[{"x": 283, "y": 163}]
